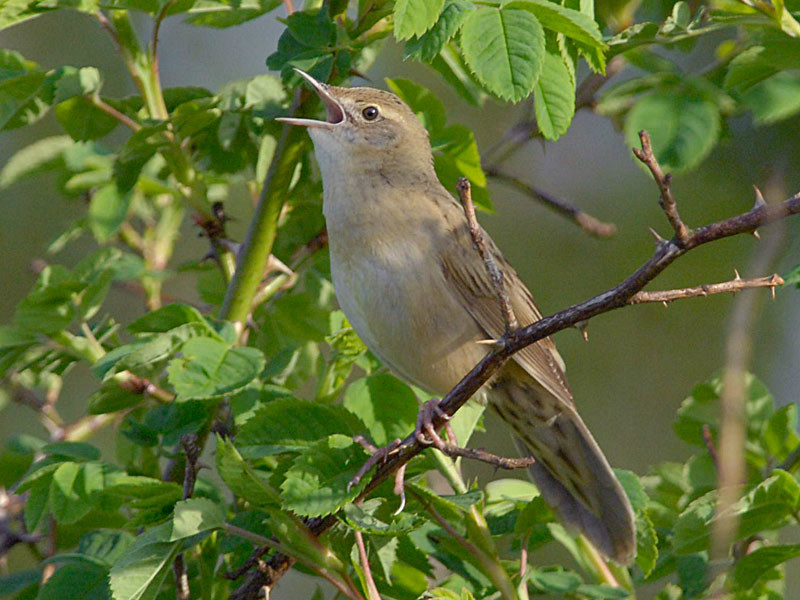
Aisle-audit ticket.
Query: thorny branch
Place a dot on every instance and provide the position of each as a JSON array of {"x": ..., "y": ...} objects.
[
  {"x": 726, "y": 287},
  {"x": 619, "y": 296}
]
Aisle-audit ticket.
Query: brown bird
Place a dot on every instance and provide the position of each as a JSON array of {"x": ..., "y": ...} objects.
[{"x": 416, "y": 291}]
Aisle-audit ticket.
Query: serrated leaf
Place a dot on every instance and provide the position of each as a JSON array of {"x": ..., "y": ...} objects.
[
  {"x": 77, "y": 581},
  {"x": 362, "y": 518},
  {"x": 427, "y": 46},
  {"x": 218, "y": 15},
  {"x": 38, "y": 157},
  {"x": 683, "y": 127},
  {"x": 194, "y": 516},
  {"x": 646, "y": 544},
  {"x": 210, "y": 368},
  {"x": 572, "y": 23},
  {"x": 386, "y": 405},
  {"x": 554, "y": 95},
  {"x": 139, "y": 573},
  {"x": 243, "y": 479},
  {"x": 67, "y": 500},
  {"x": 753, "y": 565},
  {"x": 316, "y": 483},
  {"x": 84, "y": 121},
  {"x": 415, "y": 17},
  {"x": 105, "y": 545},
  {"x": 288, "y": 424},
  {"x": 505, "y": 49}
]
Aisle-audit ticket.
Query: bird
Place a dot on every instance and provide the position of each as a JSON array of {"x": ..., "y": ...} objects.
[{"x": 413, "y": 287}]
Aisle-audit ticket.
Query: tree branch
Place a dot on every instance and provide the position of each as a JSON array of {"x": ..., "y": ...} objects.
[
  {"x": 726, "y": 287},
  {"x": 617, "y": 297}
]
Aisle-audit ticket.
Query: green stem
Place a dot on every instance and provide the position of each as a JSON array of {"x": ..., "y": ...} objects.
[
  {"x": 263, "y": 227},
  {"x": 447, "y": 467}
]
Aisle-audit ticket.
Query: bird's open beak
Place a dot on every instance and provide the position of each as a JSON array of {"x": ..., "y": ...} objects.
[{"x": 335, "y": 111}]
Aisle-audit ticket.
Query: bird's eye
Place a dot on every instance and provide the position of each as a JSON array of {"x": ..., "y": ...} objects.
[{"x": 370, "y": 113}]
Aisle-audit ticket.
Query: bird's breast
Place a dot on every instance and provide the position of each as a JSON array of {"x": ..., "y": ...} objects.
[{"x": 390, "y": 283}]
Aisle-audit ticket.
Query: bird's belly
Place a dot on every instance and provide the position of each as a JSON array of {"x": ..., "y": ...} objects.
[{"x": 398, "y": 302}]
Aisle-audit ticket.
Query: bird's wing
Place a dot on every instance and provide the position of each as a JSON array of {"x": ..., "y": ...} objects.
[{"x": 466, "y": 271}]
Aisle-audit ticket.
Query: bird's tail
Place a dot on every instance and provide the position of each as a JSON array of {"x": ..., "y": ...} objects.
[{"x": 571, "y": 472}]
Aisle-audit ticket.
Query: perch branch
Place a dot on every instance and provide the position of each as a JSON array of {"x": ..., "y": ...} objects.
[
  {"x": 735, "y": 285},
  {"x": 617, "y": 297}
]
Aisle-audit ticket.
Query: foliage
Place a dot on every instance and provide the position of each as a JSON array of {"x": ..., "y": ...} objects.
[{"x": 284, "y": 383}]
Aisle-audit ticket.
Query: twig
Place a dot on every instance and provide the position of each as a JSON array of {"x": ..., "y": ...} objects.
[
  {"x": 614, "y": 298},
  {"x": 192, "y": 451},
  {"x": 372, "y": 590},
  {"x": 289, "y": 5},
  {"x": 732, "y": 286},
  {"x": 465, "y": 194},
  {"x": 585, "y": 221},
  {"x": 664, "y": 182},
  {"x": 503, "y": 462},
  {"x": 709, "y": 442},
  {"x": 99, "y": 103}
]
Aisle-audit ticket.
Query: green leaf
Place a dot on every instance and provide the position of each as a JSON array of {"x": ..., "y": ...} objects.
[
  {"x": 210, "y": 368},
  {"x": 139, "y": 573},
  {"x": 555, "y": 581},
  {"x": 81, "y": 451},
  {"x": 316, "y": 483},
  {"x": 505, "y": 49},
  {"x": 387, "y": 406},
  {"x": 554, "y": 95},
  {"x": 683, "y": 127},
  {"x": 84, "y": 121},
  {"x": 77, "y": 581},
  {"x": 415, "y": 17},
  {"x": 77, "y": 82},
  {"x": 67, "y": 500},
  {"x": 19, "y": 104},
  {"x": 40, "y": 156},
  {"x": 166, "y": 318},
  {"x": 633, "y": 489},
  {"x": 194, "y": 516},
  {"x": 427, "y": 46},
  {"x": 780, "y": 434},
  {"x": 757, "y": 63},
  {"x": 289, "y": 424},
  {"x": 208, "y": 13},
  {"x": 107, "y": 211},
  {"x": 603, "y": 590},
  {"x": 753, "y": 565},
  {"x": 451, "y": 65},
  {"x": 16, "y": 582},
  {"x": 362, "y": 518},
  {"x": 105, "y": 546},
  {"x": 773, "y": 100},
  {"x": 572, "y": 23},
  {"x": 243, "y": 479}
]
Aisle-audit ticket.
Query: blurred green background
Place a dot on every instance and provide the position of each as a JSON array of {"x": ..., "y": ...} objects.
[{"x": 638, "y": 364}]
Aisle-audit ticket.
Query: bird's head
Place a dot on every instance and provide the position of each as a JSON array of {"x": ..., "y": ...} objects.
[{"x": 370, "y": 129}]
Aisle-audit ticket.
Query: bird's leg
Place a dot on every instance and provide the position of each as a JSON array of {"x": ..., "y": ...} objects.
[
  {"x": 425, "y": 433},
  {"x": 378, "y": 455}
]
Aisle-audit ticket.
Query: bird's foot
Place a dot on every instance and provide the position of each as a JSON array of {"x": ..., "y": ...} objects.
[
  {"x": 425, "y": 433},
  {"x": 378, "y": 455}
]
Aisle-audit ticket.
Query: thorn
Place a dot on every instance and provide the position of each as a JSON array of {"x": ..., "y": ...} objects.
[
  {"x": 658, "y": 238},
  {"x": 772, "y": 291},
  {"x": 756, "y": 235},
  {"x": 487, "y": 342},
  {"x": 665, "y": 303},
  {"x": 760, "y": 202},
  {"x": 737, "y": 277},
  {"x": 583, "y": 327}
]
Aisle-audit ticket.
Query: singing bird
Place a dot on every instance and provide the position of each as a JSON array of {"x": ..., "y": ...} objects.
[{"x": 416, "y": 291}]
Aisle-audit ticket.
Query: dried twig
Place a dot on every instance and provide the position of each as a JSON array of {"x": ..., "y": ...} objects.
[
  {"x": 372, "y": 589},
  {"x": 664, "y": 182},
  {"x": 735, "y": 285},
  {"x": 587, "y": 222},
  {"x": 465, "y": 194},
  {"x": 617, "y": 297}
]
